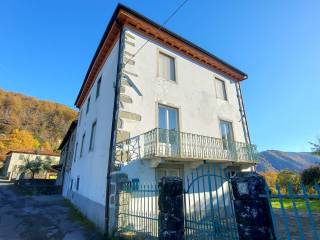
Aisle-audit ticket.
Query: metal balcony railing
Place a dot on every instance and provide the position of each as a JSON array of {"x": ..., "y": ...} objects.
[{"x": 180, "y": 145}]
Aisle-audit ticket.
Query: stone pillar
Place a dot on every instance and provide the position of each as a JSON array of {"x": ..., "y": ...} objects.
[
  {"x": 118, "y": 179},
  {"x": 252, "y": 211},
  {"x": 171, "y": 219}
]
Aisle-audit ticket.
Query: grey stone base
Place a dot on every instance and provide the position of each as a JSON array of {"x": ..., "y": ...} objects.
[{"x": 94, "y": 211}]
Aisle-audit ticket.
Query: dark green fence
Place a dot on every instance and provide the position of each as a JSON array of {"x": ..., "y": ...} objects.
[
  {"x": 138, "y": 211},
  {"x": 295, "y": 212}
]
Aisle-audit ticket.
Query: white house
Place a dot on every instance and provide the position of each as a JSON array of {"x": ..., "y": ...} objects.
[
  {"x": 164, "y": 106},
  {"x": 15, "y": 159}
]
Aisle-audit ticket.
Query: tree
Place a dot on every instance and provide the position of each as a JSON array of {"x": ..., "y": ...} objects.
[
  {"x": 35, "y": 166},
  {"x": 46, "y": 146},
  {"x": 315, "y": 148},
  {"x": 311, "y": 176},
  {"x": 21, "y": 140},
  {"x": 271, "y": 179},
  {"x": 286, "y": 178}
]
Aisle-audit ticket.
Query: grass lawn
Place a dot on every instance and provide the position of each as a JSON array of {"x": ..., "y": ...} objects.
[{"x": 300, "y": 204}]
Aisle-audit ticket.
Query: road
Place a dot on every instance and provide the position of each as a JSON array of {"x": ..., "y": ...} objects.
[{"x": 38, "y": 218}]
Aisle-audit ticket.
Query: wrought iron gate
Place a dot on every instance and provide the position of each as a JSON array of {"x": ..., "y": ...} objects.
[{"x": 208, "y": 204}]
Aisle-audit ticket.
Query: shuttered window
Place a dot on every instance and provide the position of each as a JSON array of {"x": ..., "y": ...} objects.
[
  {"x": 167, "y": 67},
  {"x": 221, "y": 89}
]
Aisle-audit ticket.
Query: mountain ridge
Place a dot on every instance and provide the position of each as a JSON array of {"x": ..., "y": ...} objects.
[{"x": 275, "y": 161}]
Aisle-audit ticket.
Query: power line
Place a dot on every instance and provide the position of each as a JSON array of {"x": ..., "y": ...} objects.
[{"x": 162, "y": 25}]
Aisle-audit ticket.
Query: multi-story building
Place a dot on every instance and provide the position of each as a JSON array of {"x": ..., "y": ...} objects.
[{"x": 153, "y": 104}]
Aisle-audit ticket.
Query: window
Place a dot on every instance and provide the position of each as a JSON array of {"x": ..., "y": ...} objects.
[
  {"x": 167, "y": 67},
  {"x": 88, "y": 105},
  {"x": 221, "y": 89},
  {"x": 75, "y": 153},
  {"x": 92, "y": 136},
  {"x": 82, "y": 143},
  {"x": 168, "y": 118},
  {"x": 77, "y": 183},
  {"x": 175, "y": 171},
  {"x": 168, "y": 130},
  {"x": 98, "y": 88},
  {"x": 226, "y": 134},
  {"x": 71, "y": 184}
]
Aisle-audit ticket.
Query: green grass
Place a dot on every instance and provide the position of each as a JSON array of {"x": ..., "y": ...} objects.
[
  {"x": 300, "y": 204},
  {"x": 76, "y": 215}
]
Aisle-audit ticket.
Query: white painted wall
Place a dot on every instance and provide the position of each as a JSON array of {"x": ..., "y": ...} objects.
[
  {"x": 92, "y": 166},
  {"x": 193, "y": 93}
]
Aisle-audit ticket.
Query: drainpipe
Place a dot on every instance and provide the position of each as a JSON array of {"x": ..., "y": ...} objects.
[
  {"x": 114, "y": 125},
  {"x": 243, "y": 114},
  {"x": 243, "y": 117}
]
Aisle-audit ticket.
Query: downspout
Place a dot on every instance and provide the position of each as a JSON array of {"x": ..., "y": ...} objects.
[
  {"x": 114, "y": 126},
  {"x": 243, "y": 117},
  {"x": 243, "y": 114}
]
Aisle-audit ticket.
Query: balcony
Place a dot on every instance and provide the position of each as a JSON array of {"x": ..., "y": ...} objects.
[{"x": 181, "y": 146}]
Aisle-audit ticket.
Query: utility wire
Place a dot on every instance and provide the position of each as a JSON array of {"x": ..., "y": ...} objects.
[{"x": 162, "y": 25}]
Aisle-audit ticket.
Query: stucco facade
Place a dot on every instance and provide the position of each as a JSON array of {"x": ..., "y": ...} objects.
[
  {"x": 126, "y": 71},
  {"x": 91, "y": 167}
]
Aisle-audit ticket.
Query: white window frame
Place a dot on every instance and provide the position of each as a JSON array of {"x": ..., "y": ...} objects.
[
  {"x": 225, "y": 94},
  {"x": 160, "y": 52}
]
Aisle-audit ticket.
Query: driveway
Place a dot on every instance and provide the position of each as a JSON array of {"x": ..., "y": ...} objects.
[{"x": 39, "y": 218}]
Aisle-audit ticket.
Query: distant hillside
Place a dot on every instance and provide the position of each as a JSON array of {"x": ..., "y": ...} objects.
[
  {"x": 41, "y": 124},
  {"x": 272, "y": 160}
]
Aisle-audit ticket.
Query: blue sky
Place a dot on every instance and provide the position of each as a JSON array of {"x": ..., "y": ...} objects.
[{"x": 46, "y": 48}]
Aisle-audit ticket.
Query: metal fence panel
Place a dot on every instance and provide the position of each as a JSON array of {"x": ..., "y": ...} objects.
[
  {"x": 138, "y": 211},
  {"x": 295, "y": 212}
]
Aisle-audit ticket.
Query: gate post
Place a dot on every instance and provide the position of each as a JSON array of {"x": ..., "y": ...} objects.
[
  {"x": 171, "y": 219},
  {"x": 251, "y": 207},
  {"x": 118, "y": 180}
]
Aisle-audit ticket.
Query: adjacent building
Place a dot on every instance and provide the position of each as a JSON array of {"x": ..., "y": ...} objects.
[
  {"x": 66, "y": 158},
  {"x": 153, "y": 104},
  {"x": 15, "y": 159}
]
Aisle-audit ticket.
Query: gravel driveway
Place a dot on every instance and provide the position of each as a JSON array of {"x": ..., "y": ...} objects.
[{"x": 38, "y": 218}]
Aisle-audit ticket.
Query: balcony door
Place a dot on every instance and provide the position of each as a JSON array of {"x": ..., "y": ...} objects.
[
  {"x": 168, "y": 123},
  {"x": 227, "y": 135}
]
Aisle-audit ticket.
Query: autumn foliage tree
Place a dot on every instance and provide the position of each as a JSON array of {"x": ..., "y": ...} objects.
[
  {"x": 286, "y": 178},
  {"x": 29, "y": 123}
]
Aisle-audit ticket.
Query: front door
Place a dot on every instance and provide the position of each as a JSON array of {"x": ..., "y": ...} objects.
[{"x": 168, "y": 131}]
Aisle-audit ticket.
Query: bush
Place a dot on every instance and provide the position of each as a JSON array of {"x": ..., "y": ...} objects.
[
  {"x": 311, "y": 176},
  {"x": 286, "y": 178}
]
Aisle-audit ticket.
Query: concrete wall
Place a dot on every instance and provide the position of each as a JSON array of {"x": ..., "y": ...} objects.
[
  {"x": 193, "y": 93},
  {"x": 92, "y": 167}
]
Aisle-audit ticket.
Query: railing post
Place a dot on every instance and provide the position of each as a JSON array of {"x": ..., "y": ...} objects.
[
  {"x": 171, "y": 218},
  {"x": 252, "y": 211}
]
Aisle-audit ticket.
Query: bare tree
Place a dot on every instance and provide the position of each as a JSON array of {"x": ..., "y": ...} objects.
[{"x": 315, "y": 147}]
